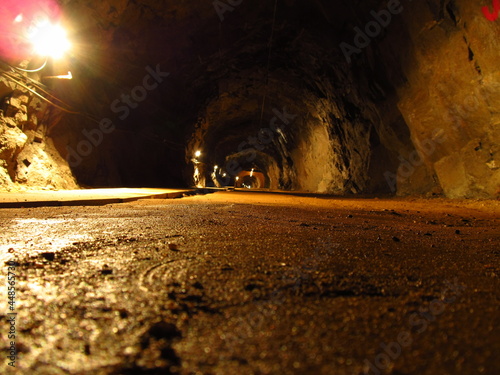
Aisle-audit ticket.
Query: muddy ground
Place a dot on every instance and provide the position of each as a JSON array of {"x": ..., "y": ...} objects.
[{"x": 244, "y": 283}]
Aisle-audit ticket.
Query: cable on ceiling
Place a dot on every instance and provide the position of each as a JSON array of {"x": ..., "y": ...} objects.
[
  {"x": 38, "y": 85},
  {"x": 8, "y": 76}
]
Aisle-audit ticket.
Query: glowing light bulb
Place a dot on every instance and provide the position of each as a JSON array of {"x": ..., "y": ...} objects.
[
  {"x": 197, "y": 154},
  {"x": 49, "y": 40}
]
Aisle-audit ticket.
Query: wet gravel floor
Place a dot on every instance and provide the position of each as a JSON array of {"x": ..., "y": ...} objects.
[{"x": 243, "y": 283}]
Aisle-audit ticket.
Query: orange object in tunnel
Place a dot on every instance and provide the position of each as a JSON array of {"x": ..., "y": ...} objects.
[{"x": 250, "y": 180}]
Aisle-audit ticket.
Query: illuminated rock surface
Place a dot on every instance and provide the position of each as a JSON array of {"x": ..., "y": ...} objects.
[{"x": 414, "y": 112}]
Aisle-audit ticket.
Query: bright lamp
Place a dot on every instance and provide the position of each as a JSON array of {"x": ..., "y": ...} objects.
[{"x": 49, "y": 40}]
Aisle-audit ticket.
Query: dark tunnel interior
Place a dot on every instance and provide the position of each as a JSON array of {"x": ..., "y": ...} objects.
[
  {"x": 261, "y": 187},
  {"x": 337, "y": 97}
]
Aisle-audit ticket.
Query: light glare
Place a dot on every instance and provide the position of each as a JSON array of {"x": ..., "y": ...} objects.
[{"x": 49, "y": 40}]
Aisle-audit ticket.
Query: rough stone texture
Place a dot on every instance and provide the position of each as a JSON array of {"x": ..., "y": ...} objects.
[
  {"x": 415, "y": 112},
  {"x": 28, "y": 158},
  {"x": 453, "y": 84},
  {"x": 252, "y": 283}
]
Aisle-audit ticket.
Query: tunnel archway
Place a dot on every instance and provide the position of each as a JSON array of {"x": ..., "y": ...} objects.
[
  {"x": 251, "y": 179},
  {"x": 335, "y": 106}
]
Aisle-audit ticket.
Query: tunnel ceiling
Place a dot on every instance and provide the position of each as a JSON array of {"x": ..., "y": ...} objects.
[{"x": 266, "y": 85}]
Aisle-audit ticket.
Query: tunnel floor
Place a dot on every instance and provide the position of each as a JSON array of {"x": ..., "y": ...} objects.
[
  {"x": 244, "y": 283},
  {"x": 84, "y": 197}
]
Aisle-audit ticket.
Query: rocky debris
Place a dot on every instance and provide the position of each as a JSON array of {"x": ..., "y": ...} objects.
[
  {"x": 198, "y": 285},
  {"x": 288, "y": 302},
  {"x": 173, "y": 247},
  {"x": 156, "y": 353},
  {"x": 50, "y": 256},
  {"x": 28, "y": 157}
]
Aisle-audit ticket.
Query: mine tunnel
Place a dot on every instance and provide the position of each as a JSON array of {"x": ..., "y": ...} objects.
[
  {"x": 325, "y": 97},
  {"x": 331, "y": 157}
]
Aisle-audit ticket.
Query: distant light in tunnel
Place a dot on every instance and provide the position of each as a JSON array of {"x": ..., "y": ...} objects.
[
  {"x": 197, "y": 178},
  {"x": 215, "y": 168},
  {"x": 49, "y": 40}
]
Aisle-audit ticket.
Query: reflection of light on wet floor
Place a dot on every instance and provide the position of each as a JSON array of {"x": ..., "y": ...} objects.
[
  {"x": 40, "y": 221},
  {"x": 32, "y": 236},
  {"x": 46, "y": 292}
]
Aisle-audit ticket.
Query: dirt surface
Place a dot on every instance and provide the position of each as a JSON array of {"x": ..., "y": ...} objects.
[
  {"x": 82, "y": 197},
  {"x": 244, "y": 283}
]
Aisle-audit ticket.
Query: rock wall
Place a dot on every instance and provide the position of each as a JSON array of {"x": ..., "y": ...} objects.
[
  {"x": 28, "y": 157},
  {"x": 413, "y": 108},
  {"x": 451, "y": 95},
  {"x": 416, "y": 111}
]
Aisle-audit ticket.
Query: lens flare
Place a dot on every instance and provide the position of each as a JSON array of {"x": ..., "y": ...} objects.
[
  {"x": 49, "y": 40},
  {"x": 19, "y": 18},
  {"x": 22, "y": 26}
]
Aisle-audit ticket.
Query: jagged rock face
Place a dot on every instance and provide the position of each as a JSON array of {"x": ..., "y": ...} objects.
[
  {"x": 410, "y": 107},
  {"x": 28, "y": 157}
]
